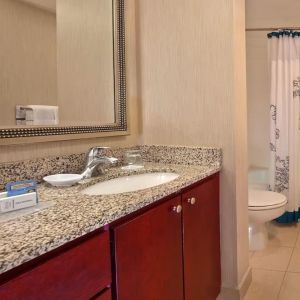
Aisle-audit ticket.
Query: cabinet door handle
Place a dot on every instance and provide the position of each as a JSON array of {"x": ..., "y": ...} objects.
[
  {"x": 177, "y": 209},
  {"x": 192, "y": 200}
]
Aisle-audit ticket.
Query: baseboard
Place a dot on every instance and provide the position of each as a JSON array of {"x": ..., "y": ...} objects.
[
  {"x": 245, "y": 283},
  {"x": 237, "y": 293}
]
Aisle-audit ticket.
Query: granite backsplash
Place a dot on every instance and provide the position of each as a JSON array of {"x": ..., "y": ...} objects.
[{"x": 74, "y": 163}]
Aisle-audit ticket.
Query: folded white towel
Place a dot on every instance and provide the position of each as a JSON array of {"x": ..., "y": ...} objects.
[{"x": 38, "y": 115}]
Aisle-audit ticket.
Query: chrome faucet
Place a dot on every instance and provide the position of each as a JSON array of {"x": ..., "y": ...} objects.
[{"x": 96, "y": 158}]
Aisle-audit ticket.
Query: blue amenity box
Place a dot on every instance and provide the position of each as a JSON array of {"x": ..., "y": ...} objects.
[{"x": 20, "y": 187}]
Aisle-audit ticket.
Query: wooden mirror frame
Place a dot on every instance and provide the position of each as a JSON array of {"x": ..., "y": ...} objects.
[{"x": 53, "y": 133}]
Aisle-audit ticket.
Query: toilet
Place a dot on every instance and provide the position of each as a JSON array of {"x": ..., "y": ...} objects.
[{"x": 263, "y": 207}]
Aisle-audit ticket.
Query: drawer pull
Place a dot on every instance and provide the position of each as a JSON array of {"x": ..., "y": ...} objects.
[
  {"x": 177, "y": 209},
  {"x": 192, "y": 200}
]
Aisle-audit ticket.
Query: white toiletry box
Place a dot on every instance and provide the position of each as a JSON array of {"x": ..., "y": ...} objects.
[{"x": 12, "y": 203}]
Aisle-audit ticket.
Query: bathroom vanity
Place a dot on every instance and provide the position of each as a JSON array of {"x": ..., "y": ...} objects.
[
  {"x": 167, "y": 249},
  {"x": 159, "y": 243}
]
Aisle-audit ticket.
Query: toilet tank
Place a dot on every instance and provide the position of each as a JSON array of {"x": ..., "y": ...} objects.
[{"x": 258, "y": 178}]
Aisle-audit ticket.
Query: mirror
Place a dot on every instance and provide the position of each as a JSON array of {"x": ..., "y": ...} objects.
[{"x": 62, "y": 67}]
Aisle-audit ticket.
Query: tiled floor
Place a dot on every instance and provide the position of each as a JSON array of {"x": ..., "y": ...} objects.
[{"x": 276, "y": 269}]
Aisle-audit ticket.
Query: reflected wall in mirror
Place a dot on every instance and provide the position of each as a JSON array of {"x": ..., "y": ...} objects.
[{"x": 64, "y": 55}]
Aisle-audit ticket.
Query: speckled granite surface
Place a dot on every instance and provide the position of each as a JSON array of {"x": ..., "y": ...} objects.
[
  {"x": 74, "y": 163},
  {"x": 74, "y": 214},
  {"x": 203, "y": 156},
  {"x": 41, "y": 167}
]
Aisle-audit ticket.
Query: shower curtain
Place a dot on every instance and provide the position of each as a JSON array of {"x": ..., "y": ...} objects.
[{"x": 284, "y": 59}]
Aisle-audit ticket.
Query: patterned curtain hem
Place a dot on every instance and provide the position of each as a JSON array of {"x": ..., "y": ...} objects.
[{"x": 289, "y": 217}]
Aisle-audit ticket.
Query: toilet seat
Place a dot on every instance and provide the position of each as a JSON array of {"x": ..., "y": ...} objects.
[{"x": 263, "y": 200}]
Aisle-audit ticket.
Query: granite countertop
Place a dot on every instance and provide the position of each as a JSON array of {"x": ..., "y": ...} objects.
[{"x": 74, "y": 214}]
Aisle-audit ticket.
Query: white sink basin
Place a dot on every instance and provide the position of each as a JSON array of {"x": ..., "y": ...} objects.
[{"x": 129, "y": 183}]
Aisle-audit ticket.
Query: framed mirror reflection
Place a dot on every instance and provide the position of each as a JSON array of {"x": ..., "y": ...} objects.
[{"x": 62, "y": 67}]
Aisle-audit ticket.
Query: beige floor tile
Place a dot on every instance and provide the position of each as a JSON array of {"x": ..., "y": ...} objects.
[
  {"x": 290, "y": 289},
  {"x": 283, "y": 235},
  {"x": 265, "y": 285},
  {"x": 272, "y": 258},
  {"x": 294, "y": 265},
  {"x": 297, "y": 245}
]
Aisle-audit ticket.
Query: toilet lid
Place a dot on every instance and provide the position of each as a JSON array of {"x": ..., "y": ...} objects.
[{"x": 259, "y": 198}]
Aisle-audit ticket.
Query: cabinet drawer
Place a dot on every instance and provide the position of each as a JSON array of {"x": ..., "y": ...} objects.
[{"x": 78, "y": 273}]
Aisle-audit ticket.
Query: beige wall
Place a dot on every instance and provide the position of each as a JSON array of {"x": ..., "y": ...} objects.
[
  {"x": 272, "y": 13},
  {"x": 259, "y": 15},
  {"x": 49, "y": 5},
  {"x": 21, "y": 152},
  {"x": 258, "y": 99},
  {"x": 27, "y": 57},
  {"x": 192, "y": 81},
  {"x": 85, "y": 62}
]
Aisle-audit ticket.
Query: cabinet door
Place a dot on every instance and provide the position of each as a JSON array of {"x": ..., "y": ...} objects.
[
  {"x": 201, "y": 241},
  {"x": 148, "y": 255}
]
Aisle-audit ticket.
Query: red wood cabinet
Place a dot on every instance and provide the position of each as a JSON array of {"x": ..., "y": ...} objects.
[
  {"x": 148, "y": 255},
  {"x": 201, "y": 241},
  {"x": 104, "y": 296},
  {"x": 79, "y": 273},
  {"x": 160, "y": 249}
]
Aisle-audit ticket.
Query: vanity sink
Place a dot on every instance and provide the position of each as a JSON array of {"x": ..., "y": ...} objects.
[{"x": 129, "y": 183}]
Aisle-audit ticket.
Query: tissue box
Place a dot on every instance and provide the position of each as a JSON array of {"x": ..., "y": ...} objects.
[{"x": 17, "y": 202}]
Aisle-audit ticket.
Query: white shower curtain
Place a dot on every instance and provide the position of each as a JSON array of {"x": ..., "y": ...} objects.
[{"x": 284, "y": 56}]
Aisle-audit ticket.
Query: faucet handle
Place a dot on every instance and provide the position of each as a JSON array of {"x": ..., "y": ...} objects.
[
  {"x": 97, "y": 152},
  {"x": 112, "y": 160},
  {"x": 94, "y": 153}
]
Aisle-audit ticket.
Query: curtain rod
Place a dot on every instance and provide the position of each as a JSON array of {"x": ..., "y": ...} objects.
[{"x": 272, "y": 28}]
